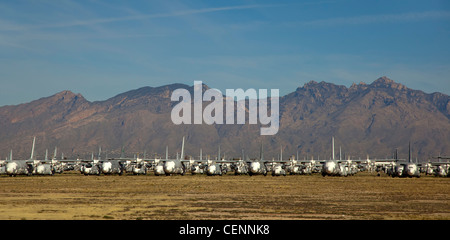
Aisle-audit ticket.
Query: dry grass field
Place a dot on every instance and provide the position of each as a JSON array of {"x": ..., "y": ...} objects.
[{"x": 363, "y": 196}]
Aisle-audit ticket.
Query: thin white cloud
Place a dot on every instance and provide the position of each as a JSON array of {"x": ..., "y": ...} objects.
[
  {"x": 12, "y": 27},
  {"x": 384, "y": 18}
]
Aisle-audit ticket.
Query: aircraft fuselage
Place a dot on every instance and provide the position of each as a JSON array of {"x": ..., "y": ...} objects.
[
  {"x": 214, "y": 169},
  {"x": 112, "y": 167},
  {"x": 18, "y": 168},
  {"x": 44, "y": 169},
  {"x": 257, "y": 167},
  {"x": 174, "y": 167},
  {"x": 278, "y": 170}
]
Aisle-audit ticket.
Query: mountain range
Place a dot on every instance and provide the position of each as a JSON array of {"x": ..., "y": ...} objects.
[{"x": 371, "y": 119}]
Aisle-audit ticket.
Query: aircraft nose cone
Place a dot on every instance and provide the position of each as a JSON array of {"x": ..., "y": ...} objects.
[
  {"x": 86, "y": 170},
  {"x": 254, "y": 167},
  {"x": 40, "y": 169},
  {"x": 106, "y": 167},
  {"x": 329, "y": 167},
  {"x": 211, "y": 169},
  {"x": 411, "y": 170},
  {"x": 159, "y": 169},
  {"x": 11, "y": 168},
  {"x": 169, "y": 167}
]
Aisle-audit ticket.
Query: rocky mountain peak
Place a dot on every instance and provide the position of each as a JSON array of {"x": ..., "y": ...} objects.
[{"x": 385, "y": 82}]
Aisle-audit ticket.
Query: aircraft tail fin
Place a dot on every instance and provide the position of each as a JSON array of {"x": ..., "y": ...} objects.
[
  {"x": 182, "y": 150},
  {"x": 54, "y": 153},
  {"x": 281, "y": 153},
  {"x": 10, "y": 155},
  {"x": 167, "y": 152},
  {"x": 261, "y": 153},
  {"x": 332, "y": 148},
  {"x": 122, "y": 152},
  {"x": 409, "y": 153},
  {"x": 218, "y": 154},
  {"x": 32, "y": 149}
]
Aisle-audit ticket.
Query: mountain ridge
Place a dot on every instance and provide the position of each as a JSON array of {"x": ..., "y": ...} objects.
[{"x": 364, "y": 118}]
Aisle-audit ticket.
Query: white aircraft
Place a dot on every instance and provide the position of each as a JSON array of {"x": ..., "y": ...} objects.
[
  {"x": 52, "y": 166},
  {"x": 159, "y": 165},
  {"x": 333, "y": 167},
  {"x": 219, "y": 166},
  {"x": 262, "y": 166},
  {"x": 91, "y": 167},
  {"x": 20, "y": 167},
  {"x": 440, "y": 169},
  {"x": 401, "y": 168},
  {"x": 3, "y": 166},
  {"x": 175, "y": 166},
  {"x": 43, "y": 167},
  {"x": 197, "y": 168},
  {"x": 258, "y": 166},
  {"x": 427, "y": 168},
  {"x": 279, "y": 167},
  {"x": 170, "y": 166},
  {"x": 140, "y": 166},
  {"x": 240, "y": 167},
  {"x": 106, "y": 166}
]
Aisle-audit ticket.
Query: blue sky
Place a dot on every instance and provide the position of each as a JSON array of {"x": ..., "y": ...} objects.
[{"x": 101, "y": 48}]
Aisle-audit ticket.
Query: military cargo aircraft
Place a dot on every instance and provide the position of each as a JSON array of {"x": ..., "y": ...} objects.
[
  {"x": 175, "y": 166},
  {"x": 402, "y": 168},
  {"x": 20, "y": 167},
  {"x": 197, "y": 167},
  {"x": 158, "y": 165},
  {"x": 258, "y": 166},
  {"x": 43, "y": 167},
  {"x": 439, "y": 168},
  {"x": 219, "y": 166},
  {"x": 52, "y": 166},
  {"x": 98, "y": 166},
  {"x": 262, "y": 167},
  {"x": 278, "y": 168},
  {"x": 333, "y": 167},
  {"x": 91, "y": 167}
]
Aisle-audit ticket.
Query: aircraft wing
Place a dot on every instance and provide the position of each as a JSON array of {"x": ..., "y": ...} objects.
[
  {"x": 206, "y": 161},
  {"x": 438, "y": 163},
  {"x": 315, "y": 162},
  {"x": 57, "y": 160},
  {"x": 132, "y": 159}
]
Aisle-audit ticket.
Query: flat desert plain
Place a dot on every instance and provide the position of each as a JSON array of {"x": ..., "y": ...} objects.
[{"x": 73, "y": 196}]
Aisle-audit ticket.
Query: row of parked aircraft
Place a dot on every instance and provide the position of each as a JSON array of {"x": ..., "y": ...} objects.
[{"x": 180, "y": 165}]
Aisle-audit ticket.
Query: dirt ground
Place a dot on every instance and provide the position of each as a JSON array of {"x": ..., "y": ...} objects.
[{"x": 363, "y": 196}]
